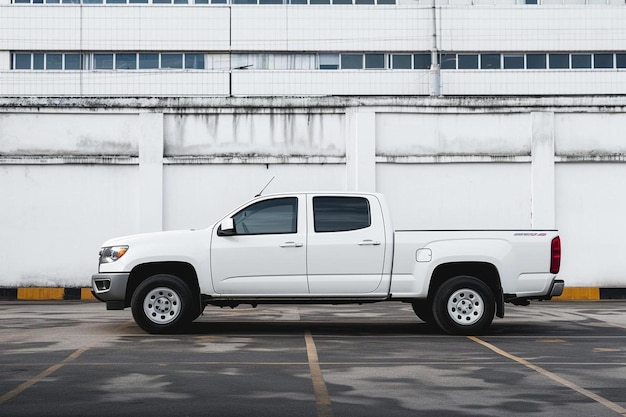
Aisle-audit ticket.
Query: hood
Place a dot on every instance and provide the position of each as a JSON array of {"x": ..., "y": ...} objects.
[{"x": 149, "y": 238}]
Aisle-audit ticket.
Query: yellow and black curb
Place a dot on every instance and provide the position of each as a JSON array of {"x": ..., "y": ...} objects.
[
  {"x": 41, "y": 293},
  {"x": 591, "y": 293},
  {"x": 46, "y": 293}
]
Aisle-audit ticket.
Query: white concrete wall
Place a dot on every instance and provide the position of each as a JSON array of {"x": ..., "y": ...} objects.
[
  {"x": 53, "y": 218},
  {"x": 499, "y": 27},
  {"x": 73, "y": 176},
  {"x": 527, "y": 28}
]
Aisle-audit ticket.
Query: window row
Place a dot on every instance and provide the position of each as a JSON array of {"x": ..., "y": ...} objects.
[
  {"x": 107, "y": 61},
  {"x": 311, "y": 61},
  {"x": 370, "y": 2},
  {"x": 533, "y": 61}
]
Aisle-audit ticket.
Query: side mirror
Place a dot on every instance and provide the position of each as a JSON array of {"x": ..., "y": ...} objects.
[{"x": 227, "y": 227}]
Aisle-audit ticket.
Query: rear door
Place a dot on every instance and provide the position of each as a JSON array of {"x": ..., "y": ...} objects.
[
  {"x": 267, "y": 253},
  {"x": 346, "y": 245}
]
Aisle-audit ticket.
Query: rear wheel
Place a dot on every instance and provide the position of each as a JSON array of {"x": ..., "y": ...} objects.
[
  {"x": 464, "y": 305},
  {"x": 163, "y": 304}
]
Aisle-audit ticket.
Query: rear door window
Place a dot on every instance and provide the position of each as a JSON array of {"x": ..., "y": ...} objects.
[{"x": 340, "y": 214}]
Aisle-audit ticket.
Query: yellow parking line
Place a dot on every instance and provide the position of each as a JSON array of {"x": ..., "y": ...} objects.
[
  {"x": 322, "y": 399},
  {"x": 23, "y": 387},
  {"x": 73, "y": 356},
  {"x": 607, "y": 403}
]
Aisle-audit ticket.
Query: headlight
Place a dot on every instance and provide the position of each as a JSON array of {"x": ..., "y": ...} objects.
[{"x": 112, "y": 254}]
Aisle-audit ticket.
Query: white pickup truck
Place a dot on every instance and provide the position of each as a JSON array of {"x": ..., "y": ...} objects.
[{"x": 326, "y": 248}]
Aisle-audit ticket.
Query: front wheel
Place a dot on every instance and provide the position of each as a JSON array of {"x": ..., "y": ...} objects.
[
  {"x": 464, "y": 305},
  {"x": 162, "y": 304}
]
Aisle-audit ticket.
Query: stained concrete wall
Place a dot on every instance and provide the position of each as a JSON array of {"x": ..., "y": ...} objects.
[{"x": 74, "y": 173}]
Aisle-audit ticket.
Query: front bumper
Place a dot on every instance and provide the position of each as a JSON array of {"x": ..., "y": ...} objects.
[{"x": 110, "y": 288}]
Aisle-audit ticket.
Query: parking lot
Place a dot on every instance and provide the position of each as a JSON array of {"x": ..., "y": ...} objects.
[{"x": 77, "y": 359}]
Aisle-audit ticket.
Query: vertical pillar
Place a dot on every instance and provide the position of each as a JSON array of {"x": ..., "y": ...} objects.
[
  {"x": 543, "y": 199},
  {"x": 361, "y": 149},
  {"x": 151, "y": 172}
]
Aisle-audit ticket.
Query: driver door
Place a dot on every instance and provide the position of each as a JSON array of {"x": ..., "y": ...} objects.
[{"x": 266, "y": 255}]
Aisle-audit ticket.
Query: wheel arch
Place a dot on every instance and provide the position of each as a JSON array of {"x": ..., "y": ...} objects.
[
  {"x": 183, "y": 270},
  {"x": 484, "y": 271}
]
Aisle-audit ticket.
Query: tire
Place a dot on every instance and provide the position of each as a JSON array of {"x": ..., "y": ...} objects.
[
  {"x": 163, "y": 304},
  {"x": 423, "y": 311},
  {"x": 464, "y": 305}
]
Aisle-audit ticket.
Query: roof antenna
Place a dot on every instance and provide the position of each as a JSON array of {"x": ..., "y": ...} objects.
[{"x": 261, "y": 192}]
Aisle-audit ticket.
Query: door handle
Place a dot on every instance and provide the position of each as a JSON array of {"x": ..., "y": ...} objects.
[
  {"x": 369, "y": 242},
  {"x": 291, "y": 245}
]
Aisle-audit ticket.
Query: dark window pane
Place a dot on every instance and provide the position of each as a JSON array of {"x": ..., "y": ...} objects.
[
  {"x": 298, "y": 2},
  {"x": 52, "y": 1},
  {"x": 448, "y": 61},
  {"x": 92, "y": 1},
  {"x": 536, "y": 61},
  {"x": 22, "y": 61},
  {"x": 329, "y": 61},
  {"x": 490, "y": 61},
  {"x": 116, "y": 1},
  {"x": 162, "y": 1},
  {"x": 138, "y": 1},
  {"x": 37, "y": 1},
  {"x": 125, "y": 61},
  {"x": 401, "y": 61},
  {"x": 148, "y": 61},
  {"x": 559, "y": 61},
  {"x": 38, "y": 61},
  {"x": 603, "y": 60},
  {"x": 201, "y": 2},
  {"x": 276, "y": 216},
  {"x": 21, "y": 2},
  {"x": 71, "y": 1},
  {"x": 270, "y": 1},
  {"x": 581, "y": 60},
  {"x": 54, "y": 61},
  {"x": 340, "y": 214},
  {"x": 513, "y": 61},
  {"x": 218, "y": 1},
  {"x": 364, "y": 2},
  {"x": 531, "y": 1},
  {"x": 194, "y": 61},
  {"x": 468, "y": 61},
  {"x": 72, "y": 61},
  {"x": 386, "y": 2},
  {"x": 421, "y": 61},
  {"x": 174, "y": 61},
  {"x": 103, "y": 61},
  {"x": 620, "y": 60},
  {"x": 375, "y": 61},
  {"x": 351, "y": 61},
  {"x": 342, "y": 1},
  {"x": 319, "y": 2},
  {"x": 244, "y": 1}
]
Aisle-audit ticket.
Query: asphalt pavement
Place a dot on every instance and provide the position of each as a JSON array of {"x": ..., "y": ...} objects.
[{"x": 77, "y": 359}]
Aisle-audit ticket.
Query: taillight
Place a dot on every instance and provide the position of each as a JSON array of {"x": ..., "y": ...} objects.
[{"x": 555, "y": 256}]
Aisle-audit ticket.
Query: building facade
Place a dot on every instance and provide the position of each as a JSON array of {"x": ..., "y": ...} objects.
[{"x": 127, "y": 116}]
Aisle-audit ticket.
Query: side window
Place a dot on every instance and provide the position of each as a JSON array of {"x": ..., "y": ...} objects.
[
  {"x": 277, "y": 216},
  {"x": 340, "y": 214}
]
